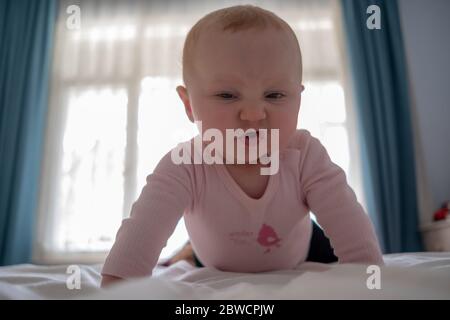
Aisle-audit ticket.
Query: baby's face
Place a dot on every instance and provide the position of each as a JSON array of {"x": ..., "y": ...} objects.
[{"x": 247, "y": 79}]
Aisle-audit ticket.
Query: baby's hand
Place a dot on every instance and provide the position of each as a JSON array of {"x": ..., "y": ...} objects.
[{"x": 108, "y": 280}]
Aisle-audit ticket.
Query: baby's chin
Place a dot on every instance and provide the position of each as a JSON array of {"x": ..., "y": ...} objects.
[{"x": 251, "y": 156}]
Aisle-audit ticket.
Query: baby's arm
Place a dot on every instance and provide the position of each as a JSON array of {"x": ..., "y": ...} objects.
[
  {"x": 108, "y": 280},
  {"x": 153, "y": 218},
  {"x": 334, "y": 203}
]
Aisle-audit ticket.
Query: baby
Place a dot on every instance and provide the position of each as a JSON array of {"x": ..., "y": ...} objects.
[{"x": 242, "y": 69}]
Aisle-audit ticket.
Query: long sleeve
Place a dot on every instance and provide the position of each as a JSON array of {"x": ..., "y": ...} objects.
[
  {"x": 153, "y": 218},
  {"x": 330, "y": 198}
]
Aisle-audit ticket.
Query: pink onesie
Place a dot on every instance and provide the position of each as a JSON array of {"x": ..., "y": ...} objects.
[{"x": 231, "y": 231}]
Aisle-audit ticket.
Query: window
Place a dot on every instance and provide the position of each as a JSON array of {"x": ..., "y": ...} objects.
[{"x": 113, "y": 95}]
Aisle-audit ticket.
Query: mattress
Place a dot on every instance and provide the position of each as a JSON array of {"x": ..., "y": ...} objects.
[{"x": 423, "y": 275}]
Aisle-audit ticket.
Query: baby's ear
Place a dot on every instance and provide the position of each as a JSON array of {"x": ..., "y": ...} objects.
[{"x": 184, "y": 96}]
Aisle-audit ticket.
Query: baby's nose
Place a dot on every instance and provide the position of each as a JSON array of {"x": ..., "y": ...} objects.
[{"x": 253, "y": 113}]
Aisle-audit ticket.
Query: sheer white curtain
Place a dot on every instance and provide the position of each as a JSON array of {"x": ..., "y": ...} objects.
[{"x": 114, "y": 111}]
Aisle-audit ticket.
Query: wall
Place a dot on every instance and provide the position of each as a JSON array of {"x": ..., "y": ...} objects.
[{"x": 426, "y": 33}]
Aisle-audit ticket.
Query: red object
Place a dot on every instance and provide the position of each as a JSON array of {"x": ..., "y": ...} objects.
[
  {"x": 441, "y": 214},
  {"x": 267, "y": 237}
]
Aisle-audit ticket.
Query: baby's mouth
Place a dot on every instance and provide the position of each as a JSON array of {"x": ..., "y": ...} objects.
[{"x": 249, "y": 136}]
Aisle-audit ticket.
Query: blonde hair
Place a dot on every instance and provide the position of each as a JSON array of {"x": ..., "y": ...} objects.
[{"x": 235, "y": 18}]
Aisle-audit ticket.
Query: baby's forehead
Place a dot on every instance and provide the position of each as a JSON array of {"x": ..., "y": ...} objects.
[
  {"x": 216, "y": 35},
  {"x": 209, "y": 33},
  {"x": 249, "y": 44},
  {"x": 270, "y": 44},
  {"x": 238, "y": 80},
  {"x": 223, "y": 61}
]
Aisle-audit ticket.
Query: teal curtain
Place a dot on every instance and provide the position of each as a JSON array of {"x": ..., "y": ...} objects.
[
  {"x": 26, "y": 34},
  {"x": 380, "y": 85}
]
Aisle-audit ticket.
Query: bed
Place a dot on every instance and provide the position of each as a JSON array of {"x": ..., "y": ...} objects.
[{"x": 424, "y": 275}]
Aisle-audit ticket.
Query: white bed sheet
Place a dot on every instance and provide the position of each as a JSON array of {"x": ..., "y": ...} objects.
[{"x": 406, "y": 276}]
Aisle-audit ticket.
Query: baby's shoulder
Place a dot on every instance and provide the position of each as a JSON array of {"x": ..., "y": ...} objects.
[
  {"x": 301, "y": 140},
  {"x": 307, "y": 147},
  {"x": 179, "y": 159}
]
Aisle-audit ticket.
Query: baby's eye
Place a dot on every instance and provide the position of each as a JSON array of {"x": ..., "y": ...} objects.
[
  {"x": 225, "y": 95},
  {"x": 275, "y": 95}
]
